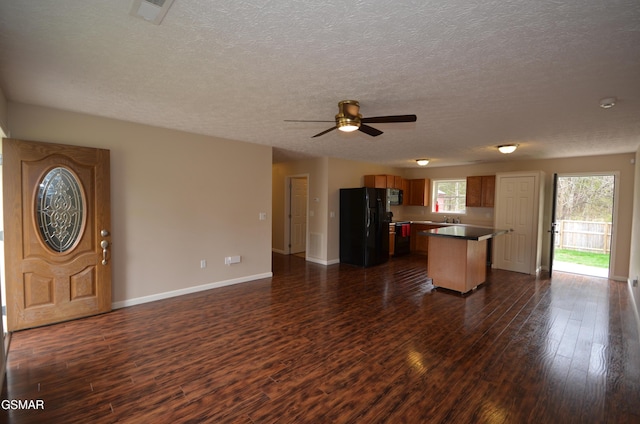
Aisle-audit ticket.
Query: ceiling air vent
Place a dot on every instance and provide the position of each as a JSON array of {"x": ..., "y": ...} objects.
[{"x": 151, "y": 10}]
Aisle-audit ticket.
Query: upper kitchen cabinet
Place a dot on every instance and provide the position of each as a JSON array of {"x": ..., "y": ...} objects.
[
  {"x": 481, "y": 191},
  {"x": 418, "y": 192},
  {"x": 383, "y": 181},
  {"x": 375, "y": 181},
  {"x": 405, "y": 192}
]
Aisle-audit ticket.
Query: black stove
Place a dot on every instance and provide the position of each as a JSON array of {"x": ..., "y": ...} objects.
[{"x": 403, "y": 237}]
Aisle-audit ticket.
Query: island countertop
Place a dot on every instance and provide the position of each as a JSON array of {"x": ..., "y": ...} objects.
[{"x": 464, "y": 232}]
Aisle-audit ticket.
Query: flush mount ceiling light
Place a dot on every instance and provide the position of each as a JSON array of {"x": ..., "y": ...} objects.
[
  {"x": 608, "y": 102},
  {"x": 422, "y": 162},
  {"x": 152, "y": 11},
  {"x": 348, "y": 118},
  {"x": 507, "y": 148}
]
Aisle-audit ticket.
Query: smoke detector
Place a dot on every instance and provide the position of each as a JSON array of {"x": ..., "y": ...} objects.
[
  {"x": 608, "y": 102},
  {"x": 152, "y": 11}
]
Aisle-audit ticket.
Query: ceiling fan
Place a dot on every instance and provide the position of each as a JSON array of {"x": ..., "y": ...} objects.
[{"x": 349, "y": 119}]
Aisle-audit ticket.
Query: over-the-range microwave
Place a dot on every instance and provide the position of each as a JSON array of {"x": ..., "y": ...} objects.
[{"x": 394, "y": 196}]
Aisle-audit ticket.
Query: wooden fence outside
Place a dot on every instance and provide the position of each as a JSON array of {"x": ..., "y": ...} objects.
[{"x": 584, "y": 236}]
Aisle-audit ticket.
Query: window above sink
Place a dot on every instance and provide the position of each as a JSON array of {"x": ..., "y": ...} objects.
[{"x": 449, "y": 196}]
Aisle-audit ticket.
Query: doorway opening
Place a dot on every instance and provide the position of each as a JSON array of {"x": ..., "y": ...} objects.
[
  {"x": 297, "y": 213},
  {"x": 583, "y": 224}
]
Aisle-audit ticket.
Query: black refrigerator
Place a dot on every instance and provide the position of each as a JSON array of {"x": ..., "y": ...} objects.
[{"x": 364, "y": 226}]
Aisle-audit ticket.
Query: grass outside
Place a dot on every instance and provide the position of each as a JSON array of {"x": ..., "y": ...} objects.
[{"x": 599, "y": 260}]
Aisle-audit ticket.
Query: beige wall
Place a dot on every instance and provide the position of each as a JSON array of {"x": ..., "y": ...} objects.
[
  {"x": 634, "y": 263},
  {"x": 3, "y": 114},
  {"x": 177, "y": 198}
]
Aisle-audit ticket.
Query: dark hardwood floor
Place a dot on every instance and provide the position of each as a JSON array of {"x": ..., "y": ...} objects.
[{"x": 318, "y": 344}]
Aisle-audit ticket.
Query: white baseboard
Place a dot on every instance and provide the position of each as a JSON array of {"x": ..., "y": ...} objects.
[
  {"x": 322, "y": 261},
  {"x": 309, "y": 259},
  {"x": 636, "y": 307},
  {"x": 188, "y": 290}
]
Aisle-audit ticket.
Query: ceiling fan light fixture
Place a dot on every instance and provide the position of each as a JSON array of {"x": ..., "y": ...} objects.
[
  {"x": 422, "y": 162},
  {"x": 347, "y": 125},
  {"x": 348, "y": 118},
  {"x": 507, "y": 148}
]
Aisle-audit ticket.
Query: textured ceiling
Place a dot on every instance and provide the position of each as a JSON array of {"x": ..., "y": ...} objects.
[{"x": 476, "y": 73}]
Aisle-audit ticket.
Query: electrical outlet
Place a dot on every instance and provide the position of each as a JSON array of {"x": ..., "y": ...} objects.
[
  {"x": 231, "y": 260},
  {"x": 203, "y": 263},
  {"x": 634, "y": 283}
]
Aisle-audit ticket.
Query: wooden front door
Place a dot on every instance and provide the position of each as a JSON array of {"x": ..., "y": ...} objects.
[{"x": 57, "y": 232}]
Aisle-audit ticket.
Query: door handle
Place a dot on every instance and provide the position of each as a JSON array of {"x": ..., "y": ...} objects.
[{"x": 104, "y": 244}]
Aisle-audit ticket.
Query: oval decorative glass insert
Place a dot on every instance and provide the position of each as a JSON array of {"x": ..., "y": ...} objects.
[{"x": 60, "y": 209}]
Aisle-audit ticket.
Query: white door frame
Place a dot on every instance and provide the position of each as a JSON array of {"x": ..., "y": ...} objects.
[
  {"x": 287, "y": 214},
  {"x": 614, "y": 212}
]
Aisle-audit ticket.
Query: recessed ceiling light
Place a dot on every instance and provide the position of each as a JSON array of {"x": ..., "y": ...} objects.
[
  {"x": 422, "y": 162},
  {"x": 607, "y": 103}
]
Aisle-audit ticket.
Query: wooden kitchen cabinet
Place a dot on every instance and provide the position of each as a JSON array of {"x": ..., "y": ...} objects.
[
  {"x": 383, "y": 181},
  {"x": 392, "y": 239},
  {"x": 420, "y": 244},
  {"x": 418, "y": 192},
  {"x": 481, "y": 191},
  {"x": 375, "y": 181},
  {"x": 406, "y": 189}
]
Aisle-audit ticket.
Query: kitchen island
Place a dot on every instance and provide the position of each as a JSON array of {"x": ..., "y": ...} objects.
[{"x": 457, "y": 258}]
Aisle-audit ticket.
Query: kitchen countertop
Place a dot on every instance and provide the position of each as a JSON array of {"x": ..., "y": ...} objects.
[
  {"x": 464, "y": 232},
  {"x": 447, "y": 224}
]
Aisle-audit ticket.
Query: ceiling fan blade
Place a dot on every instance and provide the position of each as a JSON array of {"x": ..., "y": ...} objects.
[
  {"x": 298, "y": 120},
  {"x": 369, "y": 130},
  {"x": 324, "y": 132},
  {"x": 385, "y": 119}
]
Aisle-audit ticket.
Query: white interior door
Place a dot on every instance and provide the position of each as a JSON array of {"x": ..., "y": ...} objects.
[
  {"x": 515, "y": 210},
  {"x": 298, "y": 215}
]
